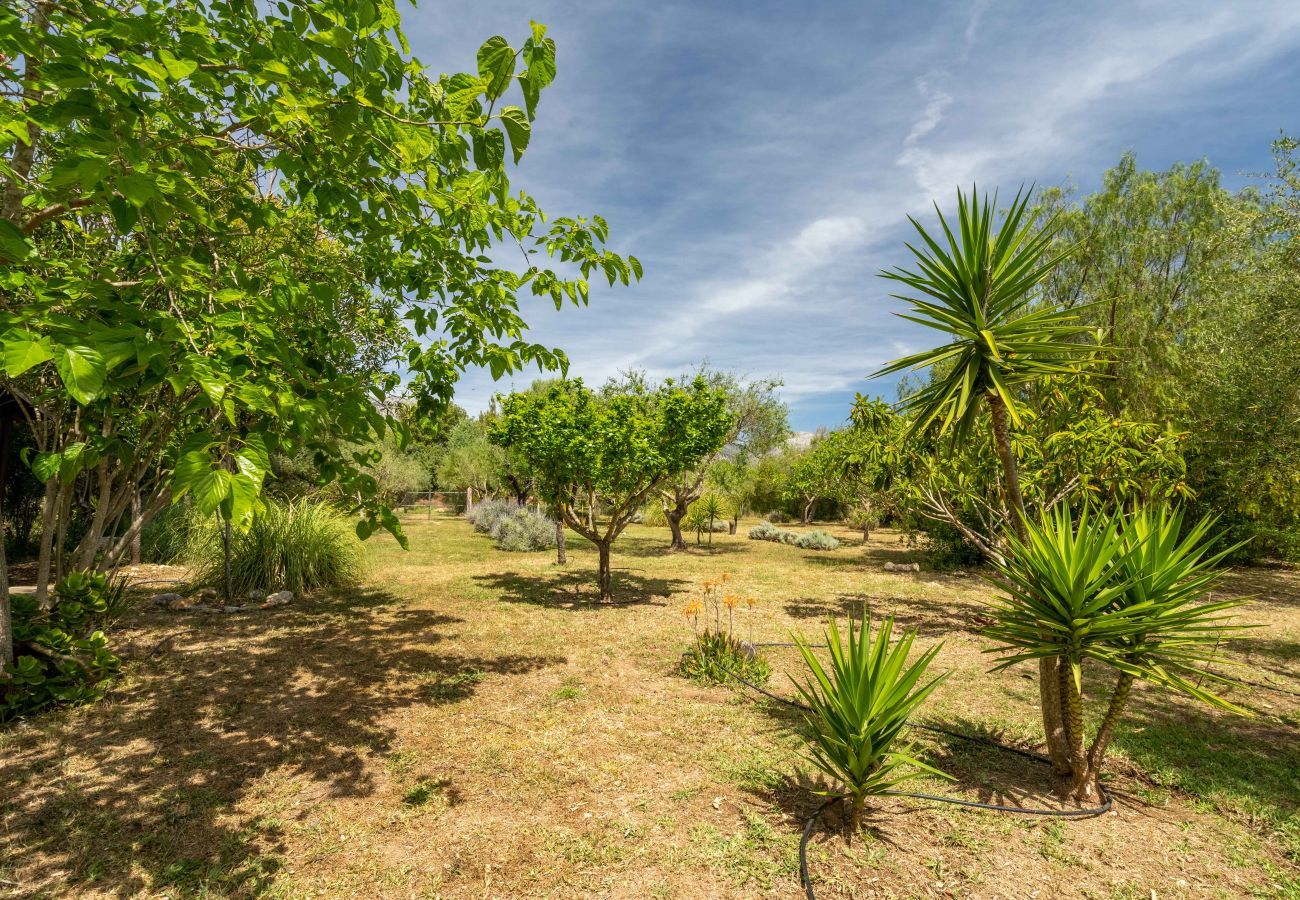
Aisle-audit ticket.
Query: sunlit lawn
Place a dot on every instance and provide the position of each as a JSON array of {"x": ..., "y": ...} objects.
[{"x": 470, "y": 723}]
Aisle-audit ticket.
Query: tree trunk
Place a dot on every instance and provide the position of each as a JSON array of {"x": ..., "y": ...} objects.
[
  {"x": 469, "y": 499},
  {"x": 135, "y": 538},
  {"x": 603, "y": 577},
  {"x": 11, "y": 206},
  {"x": 44, "y": 555},
  {"x": 225, "y": 553},
  {"x": 710, "y": 531},
  {"x": 6, "y": 613},
  {"x": 560, "y": 556},
  {"x": 1049, "y": 691},
  {"x": 1114, "y": 712},
  {"x": 731, "y": 526},
  {"x": 806, "y": 517},
  {"x": 1082, "y": 788},
  {"x": 674, "y": 514}
]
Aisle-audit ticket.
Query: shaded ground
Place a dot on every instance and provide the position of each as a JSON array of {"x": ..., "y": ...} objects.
[{"x": 473, "y": 724}]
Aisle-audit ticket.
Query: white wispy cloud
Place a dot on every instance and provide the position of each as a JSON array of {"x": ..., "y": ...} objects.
[{"x": 764, "y": 182}]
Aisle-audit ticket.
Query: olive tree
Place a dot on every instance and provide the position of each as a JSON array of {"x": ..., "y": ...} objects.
[{"x": 597, "y": 458}]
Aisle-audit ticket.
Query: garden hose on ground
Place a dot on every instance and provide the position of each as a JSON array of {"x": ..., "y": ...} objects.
[{"x": 811, "y": 824}]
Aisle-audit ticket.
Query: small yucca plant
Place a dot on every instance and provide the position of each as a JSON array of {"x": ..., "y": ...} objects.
[{"x": 860, "y": 704}]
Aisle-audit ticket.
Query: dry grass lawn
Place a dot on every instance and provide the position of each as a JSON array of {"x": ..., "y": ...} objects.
[{"x": 470, "y": 724}]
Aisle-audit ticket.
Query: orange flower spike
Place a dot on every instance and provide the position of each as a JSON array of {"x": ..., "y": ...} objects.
[
  {"x": 731, "y": 601},
  {"x": 751, "y": 602},
  {"x": 726, "y": 576}
]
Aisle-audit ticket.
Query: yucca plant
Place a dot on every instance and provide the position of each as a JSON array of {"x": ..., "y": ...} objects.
[
  {"x": 978, "y": 286},
  {"x": 1126, "y": 590},
  {"x": 859, "y": 704}
]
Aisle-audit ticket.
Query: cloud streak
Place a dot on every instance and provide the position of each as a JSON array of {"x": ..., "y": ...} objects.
[{"x": 762, "y": 165}]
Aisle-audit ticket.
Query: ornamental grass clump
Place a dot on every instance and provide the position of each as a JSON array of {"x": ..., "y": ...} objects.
[
  {"x": 297, "y": 545},
  {"x": 858, "y": 706},
  {"x": 1128, "y": 591},
  {"x": 717, "y": 653}
]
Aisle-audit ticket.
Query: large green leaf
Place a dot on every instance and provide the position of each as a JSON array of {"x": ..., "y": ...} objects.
[
  {"x": 496, "y": 65},
  {"x": 82, "y": 370},
  {"x": 23, "y": 350}
]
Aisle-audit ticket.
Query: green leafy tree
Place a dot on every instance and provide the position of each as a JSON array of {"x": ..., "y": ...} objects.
[
  {"x": 599, "y": 457},
  {"x": 158, "y": 167},
  {"x": 978, "y": 287},
  {"x": 470, "y": 460}
]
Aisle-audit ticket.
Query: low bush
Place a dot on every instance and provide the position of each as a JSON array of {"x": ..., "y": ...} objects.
[
  {"x": 524, "y": 529},
  {"x": 487, "y": 513},
  {"x": 300, "y": 546},
  {"x": 777, "y": 517},
  {"x": 859, "y": 705},
  {"x": 719, "y": 657},
  {"x": 62, "y": 654},
  {"x": 816, "y": 539}
]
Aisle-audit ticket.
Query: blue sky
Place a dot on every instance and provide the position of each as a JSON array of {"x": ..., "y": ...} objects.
[{"x": 761, "y": 158}]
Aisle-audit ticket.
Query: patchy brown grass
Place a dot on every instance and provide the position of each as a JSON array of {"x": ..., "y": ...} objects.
[{"x": 472, "y": 724}]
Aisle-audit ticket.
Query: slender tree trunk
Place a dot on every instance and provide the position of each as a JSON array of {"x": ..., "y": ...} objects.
[
  {"x": 6, "y": 613},
  {"x": 561, "y": 557},
  {"x": 44, "y": 554},
  {"x": 603, "y": 576},
  {"x": 710, "y": 531},
  {"x": 1114, "y": 712},
  {"x": 674, "y": 514},
  {"x": 806, "y": 517},
  {"x": 731, "y": 526},
  {"x": 135, "y": 538},
  {"x": 1049, "y": 691},
  {"x": 225, "y": 551},
  {"x": 1082, "y": 787}
]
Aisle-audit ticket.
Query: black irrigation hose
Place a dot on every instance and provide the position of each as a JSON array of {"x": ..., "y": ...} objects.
[{"x": 808, "y": 827}]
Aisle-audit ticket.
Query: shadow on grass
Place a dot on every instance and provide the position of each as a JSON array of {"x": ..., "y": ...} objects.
[
  {"x": 927, "y": 617},
  {"x": 1246, "y": 766},
  {"x": 163, "y": 762},
  {"x": 578, "y": 591},
  {"x": 650, "y": 548}
]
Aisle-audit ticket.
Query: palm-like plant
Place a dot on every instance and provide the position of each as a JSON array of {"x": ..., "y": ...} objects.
[
  {"x": 978, "y": 285},
  {"x": 859, "y": 705},
  {"x": 1125, "y": 590}
]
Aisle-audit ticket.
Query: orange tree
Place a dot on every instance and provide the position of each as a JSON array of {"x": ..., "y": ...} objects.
[{"x": 597, "y": 458}]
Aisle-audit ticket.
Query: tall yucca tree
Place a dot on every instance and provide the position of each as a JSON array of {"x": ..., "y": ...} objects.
[
  {"x": 978, "y": 285},
  {"x": 1127, "y": 590}
]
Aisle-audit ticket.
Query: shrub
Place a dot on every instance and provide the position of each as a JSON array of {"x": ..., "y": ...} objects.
[
  {"x": 859, "y": 706},
  {"x": 524, "y": 529},
  {"x": 301, "y": 546},
  {"x": 487, "y": 513},
  {"x": 764, "y": 531},
  {"x": 777, "y": 517},
  {"x": 653, "y": 515},
  {"x": 62, "y": 653},
  {"x": 816, "y": 540}
]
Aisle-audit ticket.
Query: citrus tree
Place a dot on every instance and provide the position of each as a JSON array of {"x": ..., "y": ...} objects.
[{"x": 597, "y": 458}]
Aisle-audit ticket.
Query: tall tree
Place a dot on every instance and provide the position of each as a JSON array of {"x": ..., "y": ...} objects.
[
  {"x": 140, "y": 145},
  {"x": 760, "y": 423},
  {"x": 599, "y": 457},
  {"x": 978, "y": 287}
]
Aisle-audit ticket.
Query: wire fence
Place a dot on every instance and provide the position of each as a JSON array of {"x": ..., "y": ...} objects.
[{"x": 414, "y": 504}]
